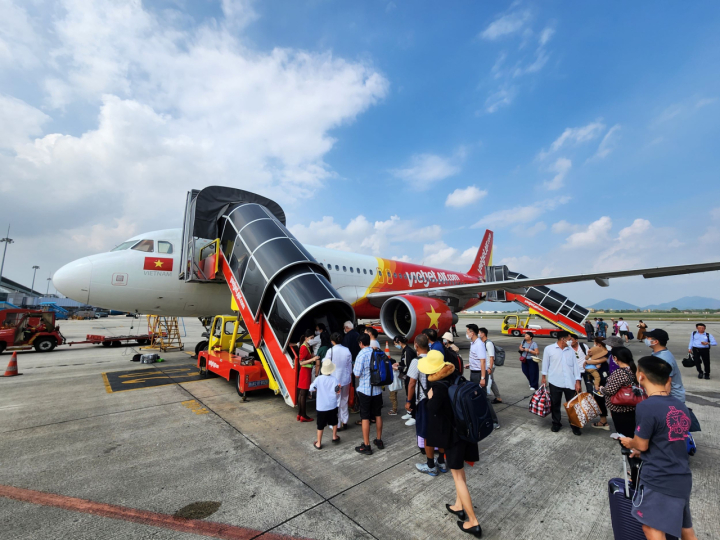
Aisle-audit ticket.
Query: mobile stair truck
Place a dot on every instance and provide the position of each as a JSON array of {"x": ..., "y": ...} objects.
[{"x": 237, "y": 239}]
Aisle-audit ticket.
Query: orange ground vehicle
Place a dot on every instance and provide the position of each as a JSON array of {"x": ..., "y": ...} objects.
[{"x": 23, "y": 329}]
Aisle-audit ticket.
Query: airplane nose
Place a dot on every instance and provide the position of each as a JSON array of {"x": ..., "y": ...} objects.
[{"x": 73, "y": 280}]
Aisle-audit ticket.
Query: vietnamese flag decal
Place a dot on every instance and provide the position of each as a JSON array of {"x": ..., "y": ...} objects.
[{"x": 161, "y": 264}]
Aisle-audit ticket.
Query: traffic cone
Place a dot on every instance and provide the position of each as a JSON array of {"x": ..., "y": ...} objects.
[
  {"x": 387, "y": 349},
  {"x": 12, "y": 369}
]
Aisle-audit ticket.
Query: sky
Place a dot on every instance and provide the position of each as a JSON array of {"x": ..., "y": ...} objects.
[{"x": 586, "y": 135}]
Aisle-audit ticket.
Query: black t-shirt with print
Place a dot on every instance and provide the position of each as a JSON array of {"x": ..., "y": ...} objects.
[{"x": 665, "y": 422}]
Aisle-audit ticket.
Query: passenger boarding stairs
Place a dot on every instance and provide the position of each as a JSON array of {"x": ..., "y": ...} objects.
[
  {"x": 239, "y": 239},
  {"x": 542, "y": 301}
]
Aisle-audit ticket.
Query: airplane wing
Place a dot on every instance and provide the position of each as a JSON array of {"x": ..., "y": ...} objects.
[{"x": 518, "y": 285}]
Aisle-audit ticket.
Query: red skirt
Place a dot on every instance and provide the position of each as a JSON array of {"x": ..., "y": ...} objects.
[{"x": 304, "y": 378}]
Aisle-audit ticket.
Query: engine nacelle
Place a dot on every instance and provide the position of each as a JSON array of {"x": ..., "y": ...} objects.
[{"x": 409, "y": 315}]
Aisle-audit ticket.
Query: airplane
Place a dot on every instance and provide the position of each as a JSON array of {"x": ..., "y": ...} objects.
[{"x": 235, "y": 255}]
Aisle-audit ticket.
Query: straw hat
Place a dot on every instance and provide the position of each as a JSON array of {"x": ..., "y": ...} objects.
[
  {"x": 327, "y": 367},
  {"x": 432, "y": 363},
  {"x": 448, "y": 337}
]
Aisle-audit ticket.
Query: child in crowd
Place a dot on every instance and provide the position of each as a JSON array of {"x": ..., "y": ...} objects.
[
  {"x": 326, "y": 404},
  {"x": 596, "y": 353},
  {"x": 662, "y": 497}
]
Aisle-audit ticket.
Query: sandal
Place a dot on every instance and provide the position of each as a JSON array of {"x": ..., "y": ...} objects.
[
  {"x": 600, "y": 425},
  {"x": 335, "y": 441},
  {"x": 316, "y": 446}
]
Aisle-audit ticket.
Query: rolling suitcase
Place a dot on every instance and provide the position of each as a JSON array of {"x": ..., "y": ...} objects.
[{"x": 621, "y": 492}]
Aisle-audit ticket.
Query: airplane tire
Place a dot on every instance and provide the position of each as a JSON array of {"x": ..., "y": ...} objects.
[
  {"x": 516, "y": 333},
  {"x": 44, "y": 344}
]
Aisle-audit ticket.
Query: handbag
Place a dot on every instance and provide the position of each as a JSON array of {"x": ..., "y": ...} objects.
[
  {"x": 540, "y": 402},
  {"x": 628, "y": 396},
  {"x": 688, "y": 361},
  {"x": 523, "y": 359},
  {"x": 581, "y": 409}
]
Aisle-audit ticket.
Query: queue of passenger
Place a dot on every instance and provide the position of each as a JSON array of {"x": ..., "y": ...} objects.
[{"x": 426, "y": 370}]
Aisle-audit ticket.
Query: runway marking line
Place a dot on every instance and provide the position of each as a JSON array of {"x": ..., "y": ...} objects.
[{"x": 144, "y": 517}]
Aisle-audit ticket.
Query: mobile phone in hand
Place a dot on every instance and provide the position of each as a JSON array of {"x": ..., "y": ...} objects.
[
  {"x": 337, "y": 388},
  {"x": 616, "y": 436}
]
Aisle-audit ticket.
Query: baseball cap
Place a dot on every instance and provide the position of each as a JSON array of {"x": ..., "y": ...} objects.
[{"x": 659, "y": 334}]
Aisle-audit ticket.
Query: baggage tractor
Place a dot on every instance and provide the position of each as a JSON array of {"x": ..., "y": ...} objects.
[{"x": 621, "y": 492}]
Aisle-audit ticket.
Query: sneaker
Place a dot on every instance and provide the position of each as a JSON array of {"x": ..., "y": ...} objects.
[
  {"x": 406, "y": 416},
  {"x": 442, "y": 467},
  {"x": 410, "y": 422},
  {"x": 423, "y": 468},
  {"x": 707, "y": 376},
  {"x": 700, "y": 375},
  {"x": 533, "y": 390},
  {"x": 392, "y": 413},
  {"x": 379, "y": 444},
  {"x": 362, "y": 449},
  {"x": 496, "y": 426}
]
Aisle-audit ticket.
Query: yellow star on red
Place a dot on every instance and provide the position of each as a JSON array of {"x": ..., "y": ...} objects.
[
  {"x": 434, "y": 317},
  {"x": 158, "y": 264}
]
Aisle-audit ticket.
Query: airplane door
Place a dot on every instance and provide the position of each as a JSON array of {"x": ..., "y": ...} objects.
[{"x": 389, "y": 277}]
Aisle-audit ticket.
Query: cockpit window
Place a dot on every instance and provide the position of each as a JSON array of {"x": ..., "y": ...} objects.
[
  {"x": 144, "y": 245},
  {"x": 164, "y": 247},
  {"x": 124, "y": 245}
]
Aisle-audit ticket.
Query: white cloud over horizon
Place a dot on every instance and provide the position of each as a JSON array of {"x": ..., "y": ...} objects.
[
  {"x": 426, "y": 169},
  {"x": 521, "y": 214},
  {"x": 561, "y": 167},
  {"x": 465, "y": 196}
]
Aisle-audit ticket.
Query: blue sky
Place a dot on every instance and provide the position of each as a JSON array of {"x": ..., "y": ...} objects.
[{"x": 585, "y": 135}]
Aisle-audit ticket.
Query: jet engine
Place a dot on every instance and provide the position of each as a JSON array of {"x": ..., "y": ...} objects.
[{"x": 409, "y": 315}]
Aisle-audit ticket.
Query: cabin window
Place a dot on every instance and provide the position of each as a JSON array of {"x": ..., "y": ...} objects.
[
  {"x": 352, "y": 269},
  {"x": 144, "y": 245},
  {"x": 124, "y": 245},
  {"x": 394, "y": 275},
  {"x": 344, "y": 268},
  {"x": 388, "y": 273},
  {"x": 364, "y": 270},
  {"x": 370, "y": 272},
  {"x": 329, "y": 266},
  {"x": 337, "y": 268},
  {"x": 164, "y": 247}
]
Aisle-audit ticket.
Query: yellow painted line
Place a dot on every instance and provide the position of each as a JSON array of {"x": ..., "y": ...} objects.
[{"x": 108, "y": 389}]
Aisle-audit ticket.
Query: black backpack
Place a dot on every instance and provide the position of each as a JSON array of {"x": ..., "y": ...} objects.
[
  {"x": 453, "y": 358},
  {"x": 499, "y": 354},
  {"x": 381, "y": 371},
  {"x": 473, "y": 421}
]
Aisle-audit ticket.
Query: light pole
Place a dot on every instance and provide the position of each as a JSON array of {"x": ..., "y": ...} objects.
[
  {"x": 35, "y": 269},
  {"x": 47, "y": 292},
  {"x": 7, "y": 241}
]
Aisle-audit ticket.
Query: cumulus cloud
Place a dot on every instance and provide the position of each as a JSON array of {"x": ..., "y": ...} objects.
[
  {"x": 562, "y": 227},
  {"x": 464, "y": 197},
  {"x": 179, "y": 106},
  {"x": 596, "y": 233},
  {"x": 506, "y": 24},
  {"x": 441, "y": 255},
  {"x": 520, "y": 214},
  {"x": 561, "y": 167},
  {"x": 426, "y": 169},
  {"x": 362, "y": 236}
]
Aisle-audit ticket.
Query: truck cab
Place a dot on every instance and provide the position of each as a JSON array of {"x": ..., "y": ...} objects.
[
  {"x": 231, "y": 355},
  {"x": 24, "y": 329}
]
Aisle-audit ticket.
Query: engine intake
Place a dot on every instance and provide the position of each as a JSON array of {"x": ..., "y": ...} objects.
[{"x": 409, "y": 315}]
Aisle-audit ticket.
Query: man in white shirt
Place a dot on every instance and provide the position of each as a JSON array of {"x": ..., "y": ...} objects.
[
  {"x": 699, "y": 346},
  {"x": 561, "y": 370},
  {"x": 478, "y": 364},
  {"x": 623, "y": 328},
  {"x": 342, "y": 358}
]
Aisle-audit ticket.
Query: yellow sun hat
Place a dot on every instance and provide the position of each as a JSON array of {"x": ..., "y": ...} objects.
[{"x": 432, "y": 363}]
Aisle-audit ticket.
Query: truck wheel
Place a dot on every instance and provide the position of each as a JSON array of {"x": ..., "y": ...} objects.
[
  {"x": 203, "y": 370},
  {"x": 201, "y": 346},
  {"x": 116, "y": 343},
  {"x": 45, "y": 344},
  {"x": 516, "y": 333},
  {"x": 142, "y": 342},
  {"x": 105, "y": 343},
  {"x": 2, "y": 346}
]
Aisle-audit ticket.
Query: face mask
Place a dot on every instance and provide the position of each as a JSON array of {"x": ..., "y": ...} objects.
[
  {"x": 647, "y": 342},
  {"x": 467, "y": 336},
  {"x": 445, "y": 342},
  {"x": 398, "y": 346},
  {"x": 570, "y": 342},
  {"x": 317, "y": 332}
]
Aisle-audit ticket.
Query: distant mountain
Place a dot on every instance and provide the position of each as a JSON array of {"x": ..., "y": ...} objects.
[
  {"x": 612, "y": 303},
  {"x": 688, "y": 302}
]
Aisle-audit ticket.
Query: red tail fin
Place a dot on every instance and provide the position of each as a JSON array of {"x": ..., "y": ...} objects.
[{"x": 483, "y": 257}]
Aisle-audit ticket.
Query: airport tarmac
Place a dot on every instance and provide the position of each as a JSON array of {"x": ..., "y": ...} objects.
[{"x": 84, "y": 457}]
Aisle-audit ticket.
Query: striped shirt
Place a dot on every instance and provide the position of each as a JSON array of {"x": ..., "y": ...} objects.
[{"x": 362, "y": 372}]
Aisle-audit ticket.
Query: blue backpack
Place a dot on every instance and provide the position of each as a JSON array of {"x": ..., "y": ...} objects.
[
  {"x": 381, "y": 371},
  {"x": 473, "y": 421}
]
